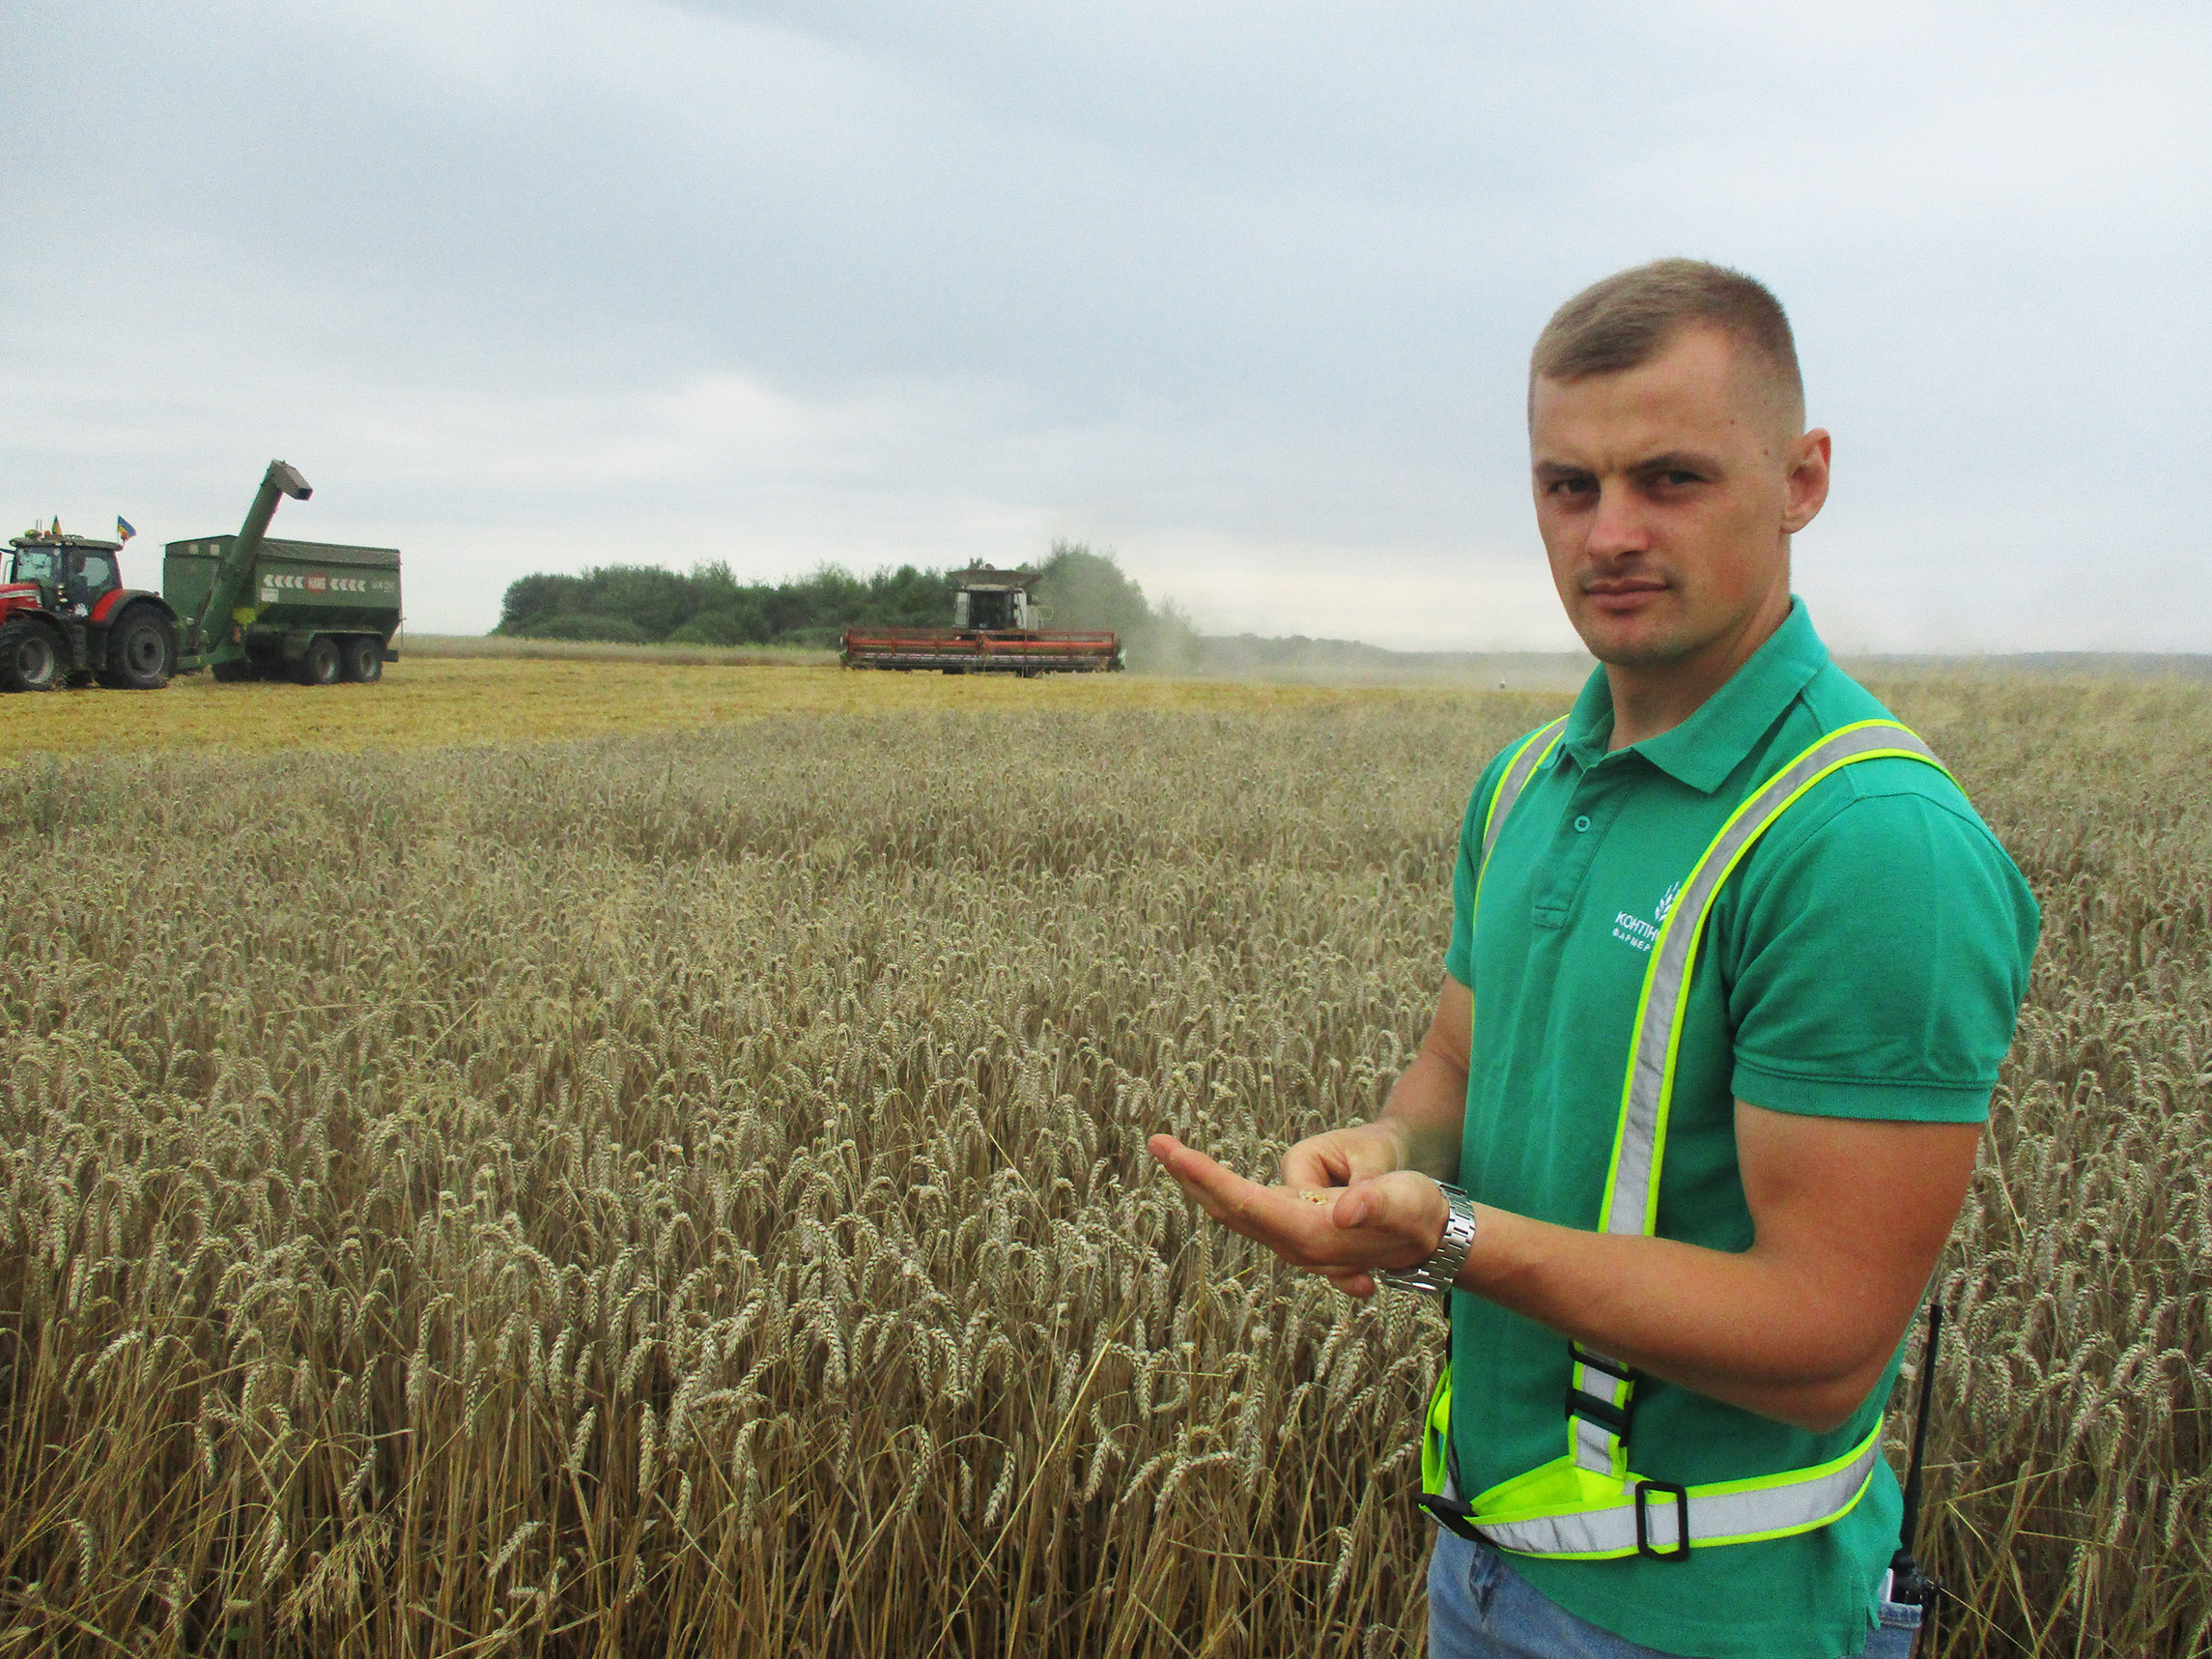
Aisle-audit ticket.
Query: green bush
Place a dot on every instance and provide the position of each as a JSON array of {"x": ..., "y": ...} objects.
[
  {"x": 707, "y": 628},
  {"x": 710, "y": 606},
  {"x": 738, "y": 623}
]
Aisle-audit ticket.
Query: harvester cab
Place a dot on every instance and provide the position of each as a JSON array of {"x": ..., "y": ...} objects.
[
  {"x": 994, "y": 601},
  {"x": 65, "y": 615}
]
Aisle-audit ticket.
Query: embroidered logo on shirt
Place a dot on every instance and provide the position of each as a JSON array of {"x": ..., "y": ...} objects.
[{"x": 1636, "y": 930}]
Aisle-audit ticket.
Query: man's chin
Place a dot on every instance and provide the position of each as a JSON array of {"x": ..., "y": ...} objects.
[
  {"x": 1638, "y": 656},
  {"x": 1632, "y": 643}
]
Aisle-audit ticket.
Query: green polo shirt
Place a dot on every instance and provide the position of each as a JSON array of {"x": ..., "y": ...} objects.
[{"x": 1867, "y": 959}]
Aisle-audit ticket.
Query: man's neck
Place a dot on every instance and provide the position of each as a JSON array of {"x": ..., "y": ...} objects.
[{"x": 1652, "y": 698}]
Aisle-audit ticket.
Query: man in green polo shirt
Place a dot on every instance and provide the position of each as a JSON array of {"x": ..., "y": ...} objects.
[{"x": 1733, "y": 967}]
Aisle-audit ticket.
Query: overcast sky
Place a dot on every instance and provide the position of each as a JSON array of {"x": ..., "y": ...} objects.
[{"x": 1243, "y": 292}]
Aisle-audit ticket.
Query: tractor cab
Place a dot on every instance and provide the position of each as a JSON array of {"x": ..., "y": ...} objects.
[
  {"x": 66, "y": 618},
  {"x": 994, "y": 601},
  {"x": 65, "y": 574}
]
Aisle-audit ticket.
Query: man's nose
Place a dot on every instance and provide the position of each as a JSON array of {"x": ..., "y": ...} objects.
[{"x": 1618, "y": 525}]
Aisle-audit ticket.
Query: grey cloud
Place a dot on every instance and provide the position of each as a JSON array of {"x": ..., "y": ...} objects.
[{"x": 1243, "y": 289}]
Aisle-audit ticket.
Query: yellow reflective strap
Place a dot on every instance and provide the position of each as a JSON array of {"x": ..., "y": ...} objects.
[
  {"x": 1522, "y": 766},
  {"x": 1535, "y": 749},
  {"x": 1437, "y": 1433},
  {"x": 1590, "y": 1444},
  {"x": 1562, "y": 1511},
  {"x": 1699, "y": 892},
  {"x": 1560, "y": 1487},
  {"x": 1647, "y": 1089},
  {"x": 1735, "y": 857}
]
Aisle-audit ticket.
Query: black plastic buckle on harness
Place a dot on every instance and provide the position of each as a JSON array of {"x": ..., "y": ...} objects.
[
  {"x": 1449, "y": 1514},
  {"x": 1615, "y": 1420},
  {"x": 1681, "y": 1497},
  {"x": 1453, "y": 1514}
]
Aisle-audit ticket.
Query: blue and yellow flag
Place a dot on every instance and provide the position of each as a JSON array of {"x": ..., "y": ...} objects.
[{"x": 124, "y": 528}]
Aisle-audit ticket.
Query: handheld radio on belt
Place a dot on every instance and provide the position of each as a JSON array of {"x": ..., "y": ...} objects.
[{"x": 1909, "y": 1586}]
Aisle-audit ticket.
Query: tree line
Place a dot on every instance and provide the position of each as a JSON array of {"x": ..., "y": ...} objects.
[{"x": 643, "y": 603}]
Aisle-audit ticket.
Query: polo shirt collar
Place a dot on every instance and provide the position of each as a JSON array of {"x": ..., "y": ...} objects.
[{"x": 1712, "y": 743}]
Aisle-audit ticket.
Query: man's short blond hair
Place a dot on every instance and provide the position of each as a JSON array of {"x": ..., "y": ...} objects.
[{"x": 1625, "y": 321}]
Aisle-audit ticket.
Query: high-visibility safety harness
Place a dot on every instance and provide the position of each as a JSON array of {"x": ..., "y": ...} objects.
[{"x": 1588, "y": 1505}]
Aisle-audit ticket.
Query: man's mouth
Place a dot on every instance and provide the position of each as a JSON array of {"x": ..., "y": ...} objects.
[{"x": 1623, "y": 593}]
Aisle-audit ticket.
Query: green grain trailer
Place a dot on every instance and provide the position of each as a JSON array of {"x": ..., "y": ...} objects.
[{"x": 252, "y": 607}]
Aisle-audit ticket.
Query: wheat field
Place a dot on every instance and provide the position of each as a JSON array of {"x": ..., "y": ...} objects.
[{"x": 681, "y": 1189}]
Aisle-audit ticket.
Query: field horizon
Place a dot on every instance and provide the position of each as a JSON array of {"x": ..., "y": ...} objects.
[{"x": 1299, "y": 658}]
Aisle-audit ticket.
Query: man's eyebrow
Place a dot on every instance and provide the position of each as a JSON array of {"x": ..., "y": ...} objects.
[
  {"x": 1669, "y": 461},
  {"x": 1679, "y": 461}
]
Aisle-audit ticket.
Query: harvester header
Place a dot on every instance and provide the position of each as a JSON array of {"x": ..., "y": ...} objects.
[{"x": 997, "y": 628}]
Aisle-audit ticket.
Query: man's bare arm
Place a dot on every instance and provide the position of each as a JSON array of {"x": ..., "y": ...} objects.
[{"x": 1849, "y": 1215}]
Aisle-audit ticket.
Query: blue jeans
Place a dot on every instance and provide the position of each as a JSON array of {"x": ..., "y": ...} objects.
[{"x": 1478, "y": 1608}]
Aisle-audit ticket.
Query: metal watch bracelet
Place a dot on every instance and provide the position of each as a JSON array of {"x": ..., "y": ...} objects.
[{"x": 1435, "y": 1276}]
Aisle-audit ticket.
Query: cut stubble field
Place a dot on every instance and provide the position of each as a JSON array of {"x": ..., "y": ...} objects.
[
  {"x": 580, "y": 1158},
  {"x": 447, "y": 701}
]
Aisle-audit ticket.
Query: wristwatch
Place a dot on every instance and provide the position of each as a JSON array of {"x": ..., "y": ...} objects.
[{"x": 1435, "y": 1276}]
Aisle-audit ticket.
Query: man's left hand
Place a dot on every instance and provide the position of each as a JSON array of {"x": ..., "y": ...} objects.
[{"x": 1345, "y": 1234}]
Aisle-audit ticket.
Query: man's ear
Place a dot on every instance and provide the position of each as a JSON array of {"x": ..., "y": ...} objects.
[{"x": 1807, "y": 483}]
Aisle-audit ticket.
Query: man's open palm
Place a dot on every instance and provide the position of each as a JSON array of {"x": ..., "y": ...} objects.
[{"x": 1345, "y": 1234}]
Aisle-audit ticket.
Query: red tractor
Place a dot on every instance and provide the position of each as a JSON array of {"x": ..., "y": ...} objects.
[{"x": 64, "y": 615}]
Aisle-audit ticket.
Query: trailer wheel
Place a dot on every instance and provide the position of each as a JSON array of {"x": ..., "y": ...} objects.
[
  {"x": 363, "y": 656},
  {"x": 319, "y": 664},
  {"x": 141, "y": 651},
  {"x": 30, "y": 657}
]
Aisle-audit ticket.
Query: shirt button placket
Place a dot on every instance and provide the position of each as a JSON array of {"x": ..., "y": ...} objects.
[{"x": 1575, "y": 848}]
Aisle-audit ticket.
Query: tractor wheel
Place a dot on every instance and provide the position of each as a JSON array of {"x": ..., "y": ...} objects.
[
  {"x": 141, "y": 651},
  {"x": 30, "y": 656},
  {"x": 236, "y": 672},
  {"x": 319, "y": 664},
  {"x": 363, "y": 655}
]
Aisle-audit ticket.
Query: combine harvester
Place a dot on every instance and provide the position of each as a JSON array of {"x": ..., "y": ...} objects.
[{"x": 995, "y": 630}]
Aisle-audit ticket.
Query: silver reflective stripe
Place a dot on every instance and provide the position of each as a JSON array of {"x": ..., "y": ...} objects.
[
  {"x": 1634, "y": 1186},
  {"x": 1715, "y": 1518},
  {"x": 1592, "y": 1446},
  {"x": 1594, "y": 1443},
  {"x": 1519, "y": 770}
]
